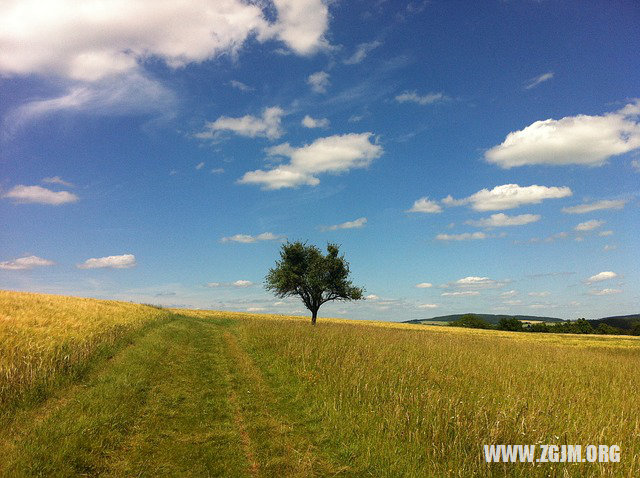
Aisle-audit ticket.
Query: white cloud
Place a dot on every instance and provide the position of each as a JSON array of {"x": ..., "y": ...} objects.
[
  {"x": 267, "y": 126},
  {"x": 602, "y": 276},
  {"x": 362, "y": 50},
  {"x": 460, "y": 294},
  {"x": 25, "y": 263},
  {"x": 425, "y": 205},
  {"x": 466, "y": 236},
  {"x": 39, "y": 195},
  {"x": 510, "y": 293},
  {"x": 355, "y": 224},
  {"x": 242, "y": 283},
  {"x": 509, "y": 196},
  {"x": 502, "y": 220},
  {"x": 256, "y": 309},
  {"x": 512, "y": 302},
  {"x": 247, "y": 239},
  {"x": 428, "y": 306},
  {"x": 200, "y": 165},
  {"x": 608, "y": 247},
  {"x": 596, "y": 206},
  {"x": 309, "y": 122},
  {"x": 474, "y": 282},
  {"x": 332, "y": 154},
  {"x": 105, "y": 37},
  {"x": 584, "y": 140},
  {"x": 319, "y": 81},
  {"x": 605, "y": 292},
  {"x": 57, "y": 180},
  {"x": 539, "y": 294},
  {"x": 238, "y": 85},
  {"x": 424, "y": 285},
  {"x": 605, "y": 233},
  {"x": 533, "y": 82},
  {"x": 132, "y": 93},
  {"x": 635, "y": 164},
  {"x": 213, "y": 284},
  {"x": 589, "y": 225},
  {"x": 414, "y": 97},
  {"x": 372, "y": 297},
  {"x": 124, "y": 261},
  {"x": 217, "y": 171}
]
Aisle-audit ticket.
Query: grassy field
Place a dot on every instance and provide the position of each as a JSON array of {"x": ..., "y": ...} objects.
[{"x": 153, "y": 392}]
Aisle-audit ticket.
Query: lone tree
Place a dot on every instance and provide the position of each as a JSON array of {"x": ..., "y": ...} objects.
[{"x": 316, "y": 278}]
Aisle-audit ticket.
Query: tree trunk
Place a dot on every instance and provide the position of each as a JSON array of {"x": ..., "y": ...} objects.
[{"x": 314, "y": 316}]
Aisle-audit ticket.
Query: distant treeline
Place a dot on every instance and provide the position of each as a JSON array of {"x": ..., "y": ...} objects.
[{"x": 580, "y": 326}]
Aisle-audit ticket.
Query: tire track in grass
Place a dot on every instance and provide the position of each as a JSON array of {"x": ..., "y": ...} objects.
[{"x": 277, "y": 448}]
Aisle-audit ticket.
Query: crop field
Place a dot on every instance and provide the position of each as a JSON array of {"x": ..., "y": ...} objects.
[{"x": 102, "y": 388}]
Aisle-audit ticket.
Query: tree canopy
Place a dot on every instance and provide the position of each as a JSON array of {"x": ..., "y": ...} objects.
[{"x": 316, "y": 278}]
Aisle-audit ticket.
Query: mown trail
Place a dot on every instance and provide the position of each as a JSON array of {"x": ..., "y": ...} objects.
[{"x": 183, "y": 400}]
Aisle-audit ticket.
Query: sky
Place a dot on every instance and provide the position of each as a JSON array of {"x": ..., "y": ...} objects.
[{"x": 466, "y": 156}]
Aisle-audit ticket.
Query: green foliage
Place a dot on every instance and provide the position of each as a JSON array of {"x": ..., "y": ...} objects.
[
  {"x": 470, "y": 321},
  {"x": 305, "y": 272},
  {"x": 510, "y": 323},
  {"x": 635, "y": 328}
]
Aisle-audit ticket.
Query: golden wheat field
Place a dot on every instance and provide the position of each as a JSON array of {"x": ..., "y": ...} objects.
[{"x": 212, "y": 393}]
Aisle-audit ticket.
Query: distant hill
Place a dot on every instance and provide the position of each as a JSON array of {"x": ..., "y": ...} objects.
[
  {"x": 491, "y": 318},
  {"x": 624, "y": 322}
]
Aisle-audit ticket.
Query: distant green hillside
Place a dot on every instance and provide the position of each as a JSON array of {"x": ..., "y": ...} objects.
[
  {"x": 624, "y": 322},
  {"x": 491, "y": 318}
]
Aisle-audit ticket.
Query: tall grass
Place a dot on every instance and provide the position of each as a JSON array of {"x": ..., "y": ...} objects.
[
  {"x": 408, "y": 402},
  {"x": 45, "y": 337}
]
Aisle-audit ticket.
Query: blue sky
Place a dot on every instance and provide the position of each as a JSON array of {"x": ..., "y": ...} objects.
[{"x": 467, "y": 156}]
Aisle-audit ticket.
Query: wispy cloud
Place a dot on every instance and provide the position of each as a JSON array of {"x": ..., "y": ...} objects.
[
  {"x": 602, "y": 276},
  {"x": 25, "y": 263},
  {"x": 238, "y": 85},
  {"x": 414, "y": 97},
  {"x": 309, "y": 122},
  {"x": 362, "y": 50},
  {"x": 424, "y": 285},
  {"x": 57, "y": 180},
  {"x": 355, "y": 224},
  {"x": 596, "y": 206},
  {"x": 588, "y": 225},
  {"x": 39, "y": 195},
  {"x": 502, "y": 220},
  {"x": 533, "y": 82},
  {"x": 248, "y": 239},
  {"x": 465, "y": 236},
  {"x": 460, "y": 293},
  {"x": 605, "y": 292}
]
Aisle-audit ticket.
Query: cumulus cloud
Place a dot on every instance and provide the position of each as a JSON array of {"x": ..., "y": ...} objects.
[
  {"x": 57, "y": 180},
  {"x": 332, "y": 154},
  {"x": 355, "y": 224},
  {"x": 414, "y": 97},
  {"x": 588, "y": 225},
  {"x": 319, "y": 81},
  {"x": 596, "y": 206},
  {"x": 309, "y": 122},
  {"x": 25, "y": 263},
  {"x": 465, "y": 236},
  {"x": 474, "y": 282},
  {"x": 602, "y": 276},
  {"x": 39, "y": 195},
  {"x": 125, "y": 261},
  {"x": 248, "y": 239},
  {"x": 267, "y": 126},
  {"x": 424, "y": 285},
  {"x": 460, "y": 293},
  {"x": 502, "y": 220},
  {"x": 362, "y": 50},
  {"x": 584, "y": 140},
  {"x": 509, "y": 196},
  {"x": 91, "y": 44},
  {"x": 605, "y": 292},
  {"x": 533, "y": 82},
  {"x": 425, "y": 205}
]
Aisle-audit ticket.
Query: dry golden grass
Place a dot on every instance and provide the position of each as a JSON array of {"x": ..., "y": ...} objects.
[{"x": 45, "y": 336}]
